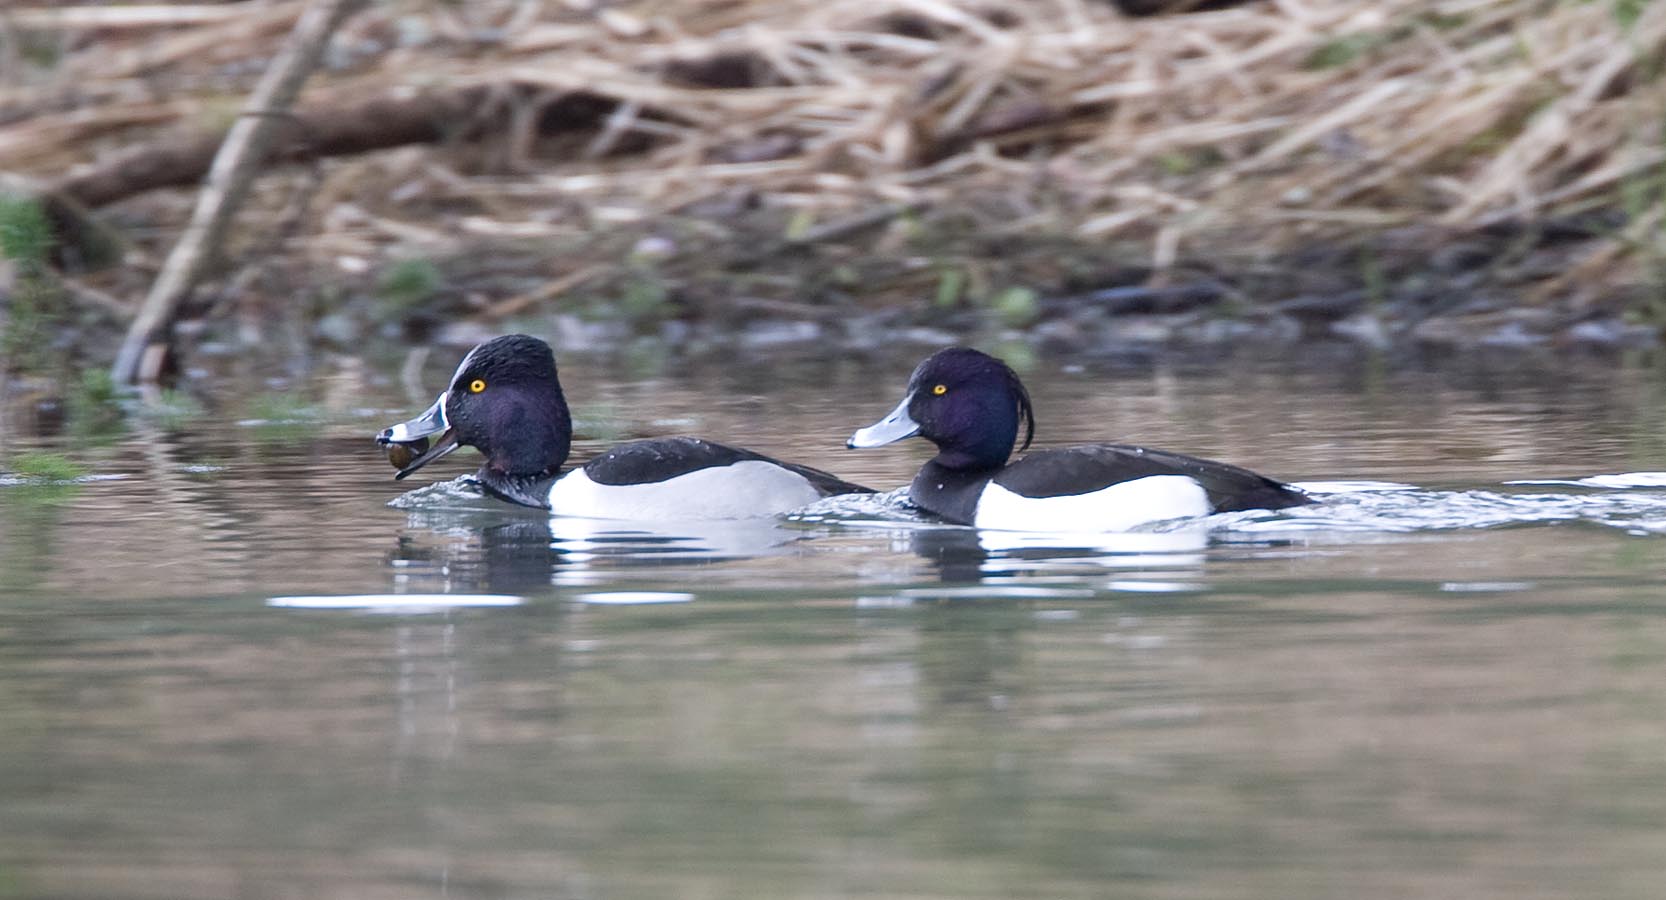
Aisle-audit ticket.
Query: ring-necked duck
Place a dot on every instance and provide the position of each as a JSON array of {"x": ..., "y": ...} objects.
[
  {"x": 970, "y": 404},
  {"x": 505, "y": 400}
]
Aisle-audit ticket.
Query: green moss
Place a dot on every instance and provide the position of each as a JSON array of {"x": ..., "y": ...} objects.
[
  {"x": 406, "y": 283},
  {"x": 1016, "y": 306},
  {"x": 1342, "y": 51},
  {"x": 1373, "y": 280},
  {"x": 799, "y": 225},
  {"x": 951, "y": 283},
  {"x": 1627, "y": 12},
  {"x": 42, "y": 49},
  {"x": 1189, "y": 161},
  {"x": 94, "y": 404},
  {"x": 46, "y": 467},
  {"x": 25, "y": 235},
  {"x": 644, "y": 297},
  {"x": 37, "y": 303},
  {"x": 171, "y": 409},
  {"x": 1443, "y": 21},
  {"x": 283, "y": 409},
  {"x": 1175, "y": 163},
  {"x": 845, "y": 276},
  {"x": 1345, "y": 49},
  {"x": 36, "y": 309}
]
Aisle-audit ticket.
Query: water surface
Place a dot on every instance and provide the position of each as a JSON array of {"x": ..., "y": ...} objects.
[{"x": 230, "y": 668}]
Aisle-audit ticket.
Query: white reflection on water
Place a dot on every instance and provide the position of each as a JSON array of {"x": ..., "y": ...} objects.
[
  {"x": 633, "y": 598},
  {"x": 395, "y": 603},
  {"x": 590, "y": 540},
  {"x": 1619, "y": 481},
  {"x": 10, "y": 480},
  {"x": 1179, "y": 547}
]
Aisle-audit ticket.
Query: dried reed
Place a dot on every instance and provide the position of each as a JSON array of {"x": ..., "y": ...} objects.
[{"x": 1284, "y": 120}]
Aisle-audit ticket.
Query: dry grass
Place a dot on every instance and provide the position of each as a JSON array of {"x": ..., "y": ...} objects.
[{"x": 1268, "y": 124}]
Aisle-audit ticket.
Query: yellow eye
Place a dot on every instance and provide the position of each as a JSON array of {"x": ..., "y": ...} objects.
[
  {"x": 940, "y": 390},
  {"x": 476, "y": 386}
]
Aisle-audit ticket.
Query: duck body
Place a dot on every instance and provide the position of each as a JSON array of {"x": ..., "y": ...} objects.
[
  {"x": 971, "y": 405},
  {"x": 669, "y": 478},
  {"x": 505, "y": 400},
  {"x": 1096, "y": 487}
]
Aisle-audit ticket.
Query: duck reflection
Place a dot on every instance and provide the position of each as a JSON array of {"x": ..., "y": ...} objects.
[
  {"x": 590, "y": 550},
  {"x": 971, "y": 555},
  {"x": 499, "y": 551}
]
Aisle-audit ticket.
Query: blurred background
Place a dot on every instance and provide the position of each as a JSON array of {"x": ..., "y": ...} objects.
[{"x": 1079, "y": 176}]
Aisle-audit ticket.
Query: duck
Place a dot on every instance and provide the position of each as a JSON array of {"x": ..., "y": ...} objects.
[
  {"x": 971, "y": 405},
  {"x": 505, "y": 400}
]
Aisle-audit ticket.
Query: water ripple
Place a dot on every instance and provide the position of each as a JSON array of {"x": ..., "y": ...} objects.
[
  {"x": 1632, "y": 502},
  {"x": 1634, "y": 511}
]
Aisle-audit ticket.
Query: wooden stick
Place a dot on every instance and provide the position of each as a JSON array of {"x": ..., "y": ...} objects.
[
  {"x": 520, "y": 302},
  {"x": 228, "y": 181},
  {"x": 151, "y": 16}
]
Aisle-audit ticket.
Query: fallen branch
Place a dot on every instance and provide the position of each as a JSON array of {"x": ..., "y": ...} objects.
[
  {"x": 521, "y": 302},
  {"x": 228, "y": 180},
  {"x": 329, "y": 127}
]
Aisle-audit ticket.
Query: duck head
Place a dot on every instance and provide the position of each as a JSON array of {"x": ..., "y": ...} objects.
[
  {"x": 968, "y": 403},
  {"x": 505, "y": 401}
]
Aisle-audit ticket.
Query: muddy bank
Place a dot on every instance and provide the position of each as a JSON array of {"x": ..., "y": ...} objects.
[
  {"x": 742, "y": 272},
  {"x": 703, "y": 286},
  {"x": 700, "y": 286}
]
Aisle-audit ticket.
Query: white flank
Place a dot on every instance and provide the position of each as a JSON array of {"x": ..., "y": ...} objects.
[
  {"x": 745, "y": 489},
  {"x": 1119, "y": 507}
]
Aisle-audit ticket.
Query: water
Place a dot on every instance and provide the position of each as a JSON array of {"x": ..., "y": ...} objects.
[{"x": 228, "y": 667}]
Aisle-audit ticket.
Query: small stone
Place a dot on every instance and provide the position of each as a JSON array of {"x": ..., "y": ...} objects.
[
  {"x": 339, "y": 328},
  {"x": 400, "y": 455},
  {"x": 1614, "y": 332},
  {"x": 1511, "y": 334},
  {"x": 654, "y": 247},
  {"x": 1144, "y": 329},
  {"x": 778, "y": 334},
  {"x": 1059, "y": 335},
  {"x": 1364, "y": 328},
  {"x": 931, "y": 337}
]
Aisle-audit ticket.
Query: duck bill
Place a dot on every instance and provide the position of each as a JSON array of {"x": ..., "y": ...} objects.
[
  {"x": 894, "y": 427},
  {"x": 430, "y": 422}
]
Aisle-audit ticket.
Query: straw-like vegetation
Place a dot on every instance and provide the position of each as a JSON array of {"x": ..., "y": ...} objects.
[{"x": 588, "y": 155}]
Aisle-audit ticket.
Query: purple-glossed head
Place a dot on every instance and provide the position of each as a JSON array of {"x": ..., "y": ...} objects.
[
  {"x": 968, "y": 403},
  {"x": 505, "y": 401}
]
